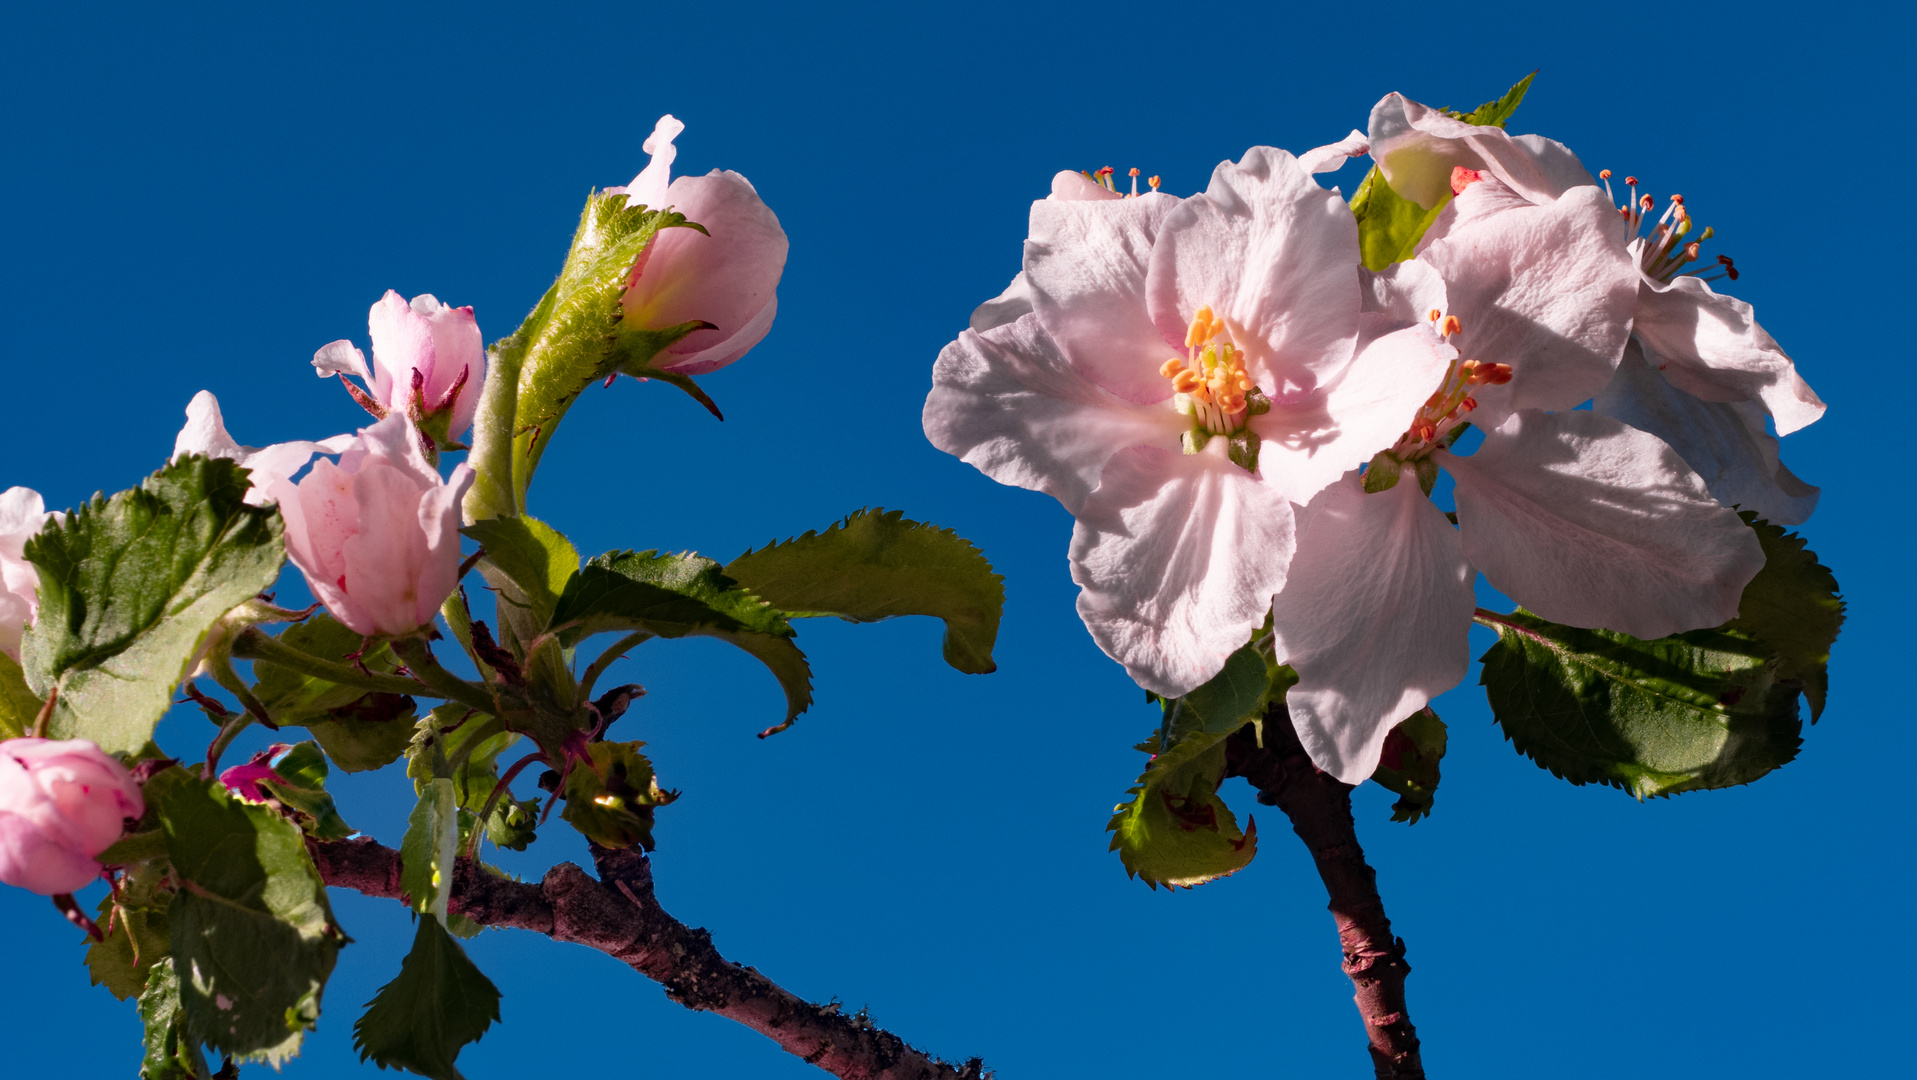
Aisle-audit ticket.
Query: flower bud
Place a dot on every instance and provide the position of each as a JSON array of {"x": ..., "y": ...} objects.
[
  {"x": 727, "y": 276},
  {"x": 22, "y": 514},
  {"x": 428, "y": 363},
  {"x": 377, "y": 535},
  {"x": 61, "y": 804}
]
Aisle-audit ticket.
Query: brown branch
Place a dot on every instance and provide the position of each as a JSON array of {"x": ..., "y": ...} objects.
[
  {"x": 619, "y": 916},
  {"x": 1319, "y": 807}
]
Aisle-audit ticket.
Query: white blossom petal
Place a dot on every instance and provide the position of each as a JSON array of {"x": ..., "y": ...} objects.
[
  {"x": 1178, "y": 558},
  {"x": 1405, "y": 292},
  {"x": 1592, "y": 523},
  {"x": 1275, "y": 256},
  {"x": 1710, "y": 345},
  {"x": 1008, "y": 403},
  {"x": 1085, "y": 261},
  {"x": 1332, "y": 156},
  {"x": 341, "y": 358},
  {"x": 1006, "y": 307},
  {"x": 1375, "y": 617},
  {"x": 1417, "y": 146},
  {"x": 1725, "y": 442}
]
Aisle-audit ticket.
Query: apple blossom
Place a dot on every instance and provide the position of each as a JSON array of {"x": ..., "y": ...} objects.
[
  {"x": 377, "y": 535},
  {"x": 22, "y": 515},
  {"x": 205, "y": 434},
  {"x": 1182, "y": 472},
  {"x": 428, "y": 364},
  {"x": 725, "y": 273},
  {"x": 62, "y": 802}
]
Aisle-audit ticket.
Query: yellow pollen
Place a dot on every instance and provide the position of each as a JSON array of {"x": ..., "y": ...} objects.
[
  {"x": 1201, "y": 328},
  {"x": 1451, "y": 326},
  {"x": 1171, "y": 368}
]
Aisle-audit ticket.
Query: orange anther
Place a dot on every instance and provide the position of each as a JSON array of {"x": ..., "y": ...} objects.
[
  {"x": 1678, "y": 199},
  {"x": 1187, "y": 381},
  {"x": 1134, "y": 172},
  {"x": 1200, "y": 330},
  {"x": 1496, "y": 374},
  {"x": 1171, "y": 368},
  {"x": 1462, "y": 178},
  {"x": 1451, "y": 326},
  {"x": 1631, "y": 180},
  {"x": 1646, "y": 202},
  {"x": 1435, "y": 315},
  {"x": 1153, "y": 182},
  {"x": 1468, "y": 403},
  {"x": 1604, "y": 174}
]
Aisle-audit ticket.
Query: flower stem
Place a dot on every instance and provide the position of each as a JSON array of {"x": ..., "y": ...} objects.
[
  {"x": 1319, "y": 807},
  {"x": 251, "y": 644},
  {"x": 441, "y": 683},
  {"x": 606, "y": 660}
]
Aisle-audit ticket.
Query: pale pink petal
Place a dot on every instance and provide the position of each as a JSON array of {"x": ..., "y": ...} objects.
[
  {"x": 402, "y": 343},
  {"x": 1086, "y": 263},
  {"x": 31, "y": 861},
  {"x": 726, "y": 276},
  {"x": 1405, "y": 292},
  {"x": 1375, "y": 617},
  {"x": 439, "y": 523},
  {"x": 1332, "y": 156},
  {"x": 1006, "y": 307},
  {"x": 1178, "y": 558},
  {"x": 1008, "y": 403},
  {"x": 22, "y": 516},
  {"x": 320, "y": 516},
  {"x": 1482, "y": 200},
  {"x": 1548, "y": 290},
  {"x": 341, "y": 358},
  {"x": 205, "y": 431},
  {"x": 1710, "y": 345},
  {"x": 1417, "y": 147},
  {"x": 395, "y": 441},
  {"x": 1724, "y": 442},
  {"x": 1589, "y": 522},
  {"x": 1275, "y": 256},
  {"x": 457, "y": 349},
  {"x": 386, "y": 558},
  {"x": 1069, "y": 186},
  {"x": 1310, "y": 443},
  {"x": 649, "y": 187}
]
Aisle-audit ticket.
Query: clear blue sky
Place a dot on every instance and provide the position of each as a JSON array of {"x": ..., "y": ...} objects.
[{"x": 199, "y": 196}]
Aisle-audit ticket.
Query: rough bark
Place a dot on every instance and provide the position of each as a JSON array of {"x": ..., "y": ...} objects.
[
  {"x": 619, "y": 916},
  {"x": 1319, "y": 807}
]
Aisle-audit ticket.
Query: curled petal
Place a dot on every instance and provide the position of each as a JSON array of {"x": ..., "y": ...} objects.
[
  {"x": 205, "y": 433},
  {"x": 1331, "y": 156},
  {"x": 1008, "y": 403},
  {"x": 1725, "y": 442},
  {"x": 1178, "y": 558},
  {"x": 727, "y": 276},
  {"x": 1592, "y": 523},
  {"x": 341, "y": 358},
  {"x": 1375, "y": 617},
  {"x": 1710, "y": 345},
  {"x": 1275, "y": 256},
  {"x": 1069, "y": 186},
  {"x": 1006, "y": 307},
  {"x": 1416, "y": 147},
  {"x": 1086, "y": 262},
  {"x": 1548, "y": 290},
  {"x": 649, "y": 187}
]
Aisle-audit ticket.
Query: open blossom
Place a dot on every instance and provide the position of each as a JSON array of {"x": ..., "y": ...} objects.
[
  {"x": 1178, "y": 373},
  {"x": 428, "y": 364},
  {"x": 1544, "y": 285},
  {"x": 727, "y": 276},
  {"x": 22, "y": 515},
  {"x": 205, "y": 433},
  {"x": 61, "y": 804},
  {"x": 377, "y": 535}
]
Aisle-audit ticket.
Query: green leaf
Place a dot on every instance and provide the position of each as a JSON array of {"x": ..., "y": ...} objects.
[
  {"x": 533, "y": 554},
  {"x": 1174, "y": 830},
  {"x": 878, "y": 565},
  {"x": 124, "y": 960},
  {"x": 1234, "y": 697},
  {"x": 611, "y": 798},
  {"x": 368, "y": 734},
  {"x": 1699, "y": 710},
  {"x": 439, "y": 1002},
  {"x": 1793, "y": 606},
  {"x": 1498, "y": 113},
  {"x": 252, "y": 935},
  {"x": 302, "y": 769},
  {"x": 129, "y": 587},
  {"x": 471, "y": 751},
  {"x": 171, "y": 1054},
  {"x": 293, "y": 697},
  {"x": 679, "y": 596},
  {"x": 19, "y": 708},
  {"x": 575, "y": 337},
  {"x": 1389, "y": 225},
  {"x": 426, "y": 852},
  {"x": 1409, "y": 764}
]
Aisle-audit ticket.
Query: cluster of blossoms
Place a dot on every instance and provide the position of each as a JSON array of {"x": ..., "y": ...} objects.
[
  {"x": 1280, "y": 463},
  {"x": 375, "y": 533}
]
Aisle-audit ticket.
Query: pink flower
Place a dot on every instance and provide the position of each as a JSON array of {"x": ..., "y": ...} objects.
[
  {"x": 244, "y": 780},
  {"x": 61, "y": 804},
  {"x": 428, "y": 363},
  {"x": 377, "y": 535},
  {"x": 205, "y": 434},
  {"x": 1179, "y": 373},
  {"x": 22, "y": 516},
  {"x": 727, "y": 276}
]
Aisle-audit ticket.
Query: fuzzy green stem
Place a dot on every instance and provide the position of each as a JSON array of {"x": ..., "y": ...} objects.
[
  {"x": 251, "y": 644},
  {"x": 442, "y": 683}
]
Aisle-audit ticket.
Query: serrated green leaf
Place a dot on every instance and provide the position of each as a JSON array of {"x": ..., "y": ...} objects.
[
  {"x": 1174, "y": 830},
  {"x": 439, "y": 1002},
  {"x": 471, "y": 749},
  {"x": 1409, "y": 765},
  {"x": 1695, "y": 711},
  {"x": 427, "y": 851},
  {"x": 533, "y": 554},
  {"x": 678, "y": 596},
  {"x": 574, "y": 337},
  {"x": 18, "y": 705},
  {"x": 171, "y": 1054},
  {"x": 252, "y": 935},
  {"x": 878, "y": 565},
  {"x": 1497, "y": 113},
  {"x": 302, "y": 769},
  {"x": 1793, "y": 606},
  {"x": 1232, "y": 698},
  {"x": 138, "y": 940},
  {"x": 129, "y": 587},
  {"x": 610, "y": 800}
]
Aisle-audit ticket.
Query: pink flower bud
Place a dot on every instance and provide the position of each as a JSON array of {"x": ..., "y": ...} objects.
[
  {"x": 377, "y": 535},
  {"x": 22, "y": 514},
  {"x": 428, "y": 361},
  {"x": 727, "y": 276},
  {"x": 61, "y": 804}
]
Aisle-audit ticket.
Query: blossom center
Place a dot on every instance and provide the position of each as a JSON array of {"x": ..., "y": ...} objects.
[
  {"x": 1211, "y": 386},
  {"x": 1440, "y": 420},
  {"x": 1660, "y": 247}
]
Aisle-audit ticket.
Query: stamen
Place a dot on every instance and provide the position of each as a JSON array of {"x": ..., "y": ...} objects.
[
  {"x": 1435, "y": 315},
  {"x": 1171, "y": 368},
  {"x": 1451, "y": 326},
  {"x": 1153, "y": 182},
  {"x": 1134, "y": 183}
]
